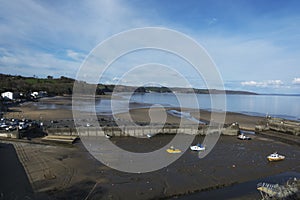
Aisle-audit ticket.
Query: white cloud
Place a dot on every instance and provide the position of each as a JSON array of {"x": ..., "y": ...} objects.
[
  {"x": 250, "y": 83},
  {"x": 296, "y": 81},
  {"x": 30, "y": 63},
  {"x": 82, "y": 24},
  {"x": 75, "y": 55},
  {"x": 35, "y": 34},
  {"x": 264, "y": 84},
  {"x": 275, "y": 82}
]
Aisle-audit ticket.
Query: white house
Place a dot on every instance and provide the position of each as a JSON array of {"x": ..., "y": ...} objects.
[{"x": 7, "y": 95}]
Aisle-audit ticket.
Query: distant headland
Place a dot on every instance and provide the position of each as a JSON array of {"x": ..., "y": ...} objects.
[{"x": 64, "y": 86}]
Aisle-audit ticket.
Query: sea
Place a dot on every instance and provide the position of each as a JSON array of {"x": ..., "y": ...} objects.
[{"x": 282, "y": 106}]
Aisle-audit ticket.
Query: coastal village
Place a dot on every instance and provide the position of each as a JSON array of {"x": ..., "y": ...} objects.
[
  {"x": 9, "y": 99},
  {"x": 16, "y": 127}
]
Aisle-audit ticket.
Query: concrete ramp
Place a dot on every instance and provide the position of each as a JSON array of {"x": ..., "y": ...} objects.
[{"x": 60, "y": 139}]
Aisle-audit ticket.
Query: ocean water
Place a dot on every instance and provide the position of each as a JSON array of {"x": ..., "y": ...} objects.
[
  {"x": 257, "y": 105},
  {"x": 287, "y": 107}
]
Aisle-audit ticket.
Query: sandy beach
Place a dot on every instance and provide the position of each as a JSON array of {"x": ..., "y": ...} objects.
[
  {"x": 60, "y": 110},
  {"x": 60, "y": 172}
]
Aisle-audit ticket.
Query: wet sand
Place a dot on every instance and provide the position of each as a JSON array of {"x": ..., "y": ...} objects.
[
  {"x": 245, "y": 121},
  {"x": 59, "y": 109},
  {"x": 244, "y": 191},
  {"x": 31, "y": 110}
]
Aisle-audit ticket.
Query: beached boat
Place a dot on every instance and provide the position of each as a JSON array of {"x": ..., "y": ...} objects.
[
  {"x": 150, "y": 135},
  {"x": 197, "y": 147},
  {"x": 243, "y": 137},
  {"x": 173, "y": 150},
  {"x": 107, "y": 136},
  {"x": 275, "y": 157}
]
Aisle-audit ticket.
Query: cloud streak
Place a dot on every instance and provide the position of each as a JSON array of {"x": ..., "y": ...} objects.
[
  {"x": 75, "y": 55},
  {"x": 263, "y": 84},
  {"x": 296, "y": 81}
]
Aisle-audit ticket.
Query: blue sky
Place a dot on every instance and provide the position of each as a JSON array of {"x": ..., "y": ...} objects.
[{"x": 255, "y": 44}]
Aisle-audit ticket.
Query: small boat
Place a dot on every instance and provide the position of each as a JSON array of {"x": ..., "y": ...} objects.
[
  {"x": 107, "y": 136},
  {"x": 197, "y": 147},
  {"x": 275, "y": 157},
  {"x": 243, "y": 137},
  {"x": 173, "y": 150}
]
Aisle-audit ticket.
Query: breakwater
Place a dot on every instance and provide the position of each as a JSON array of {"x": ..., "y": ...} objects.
[
  {"x": 288, "y": 127},
  {"x": 285, "y": 126},
  {"x": 142, "y": 131}
]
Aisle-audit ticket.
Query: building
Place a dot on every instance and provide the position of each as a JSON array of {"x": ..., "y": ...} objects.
[{"x": 7, "y": 95}]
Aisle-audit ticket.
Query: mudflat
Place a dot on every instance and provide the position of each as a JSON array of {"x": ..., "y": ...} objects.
[{"x": 58, "y": 172}]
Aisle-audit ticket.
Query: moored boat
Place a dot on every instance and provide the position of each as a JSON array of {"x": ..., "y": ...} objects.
[
  {"x": 198, "y": 147},
  {"x": 275, "y": 157},
  {"x": 243, "y": 137},
  {"x": 150, "y": 135},
  {"x": 173, "y": 150},
  {"x": 107, "y": 136}
]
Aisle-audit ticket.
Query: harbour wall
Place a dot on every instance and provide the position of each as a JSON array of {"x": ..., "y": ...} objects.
[
  {"x": 285, "y": 126},
  {"x": 140, "y": 131}
]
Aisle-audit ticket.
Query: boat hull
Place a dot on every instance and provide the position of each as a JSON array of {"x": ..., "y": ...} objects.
[
  {"x": 173, "y": 151},
  {"x": 243, "y": 137},
  {"x": 276, "y": 159},
  {"x": 196, "y": 148}
]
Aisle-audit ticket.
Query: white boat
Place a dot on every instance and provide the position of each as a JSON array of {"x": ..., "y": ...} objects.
[
  {"x": 243, "y": 137},
  {"x": 107, "y": 136},
  {"x": 150, "y": 135},
  {"x": 197, "y": 147},
  {"x": 275, "y": 157}
]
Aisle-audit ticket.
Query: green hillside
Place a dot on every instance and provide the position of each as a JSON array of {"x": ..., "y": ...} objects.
[{"x": 64, "y": 85}]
